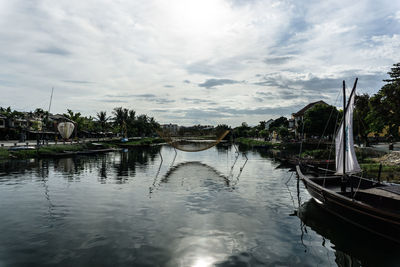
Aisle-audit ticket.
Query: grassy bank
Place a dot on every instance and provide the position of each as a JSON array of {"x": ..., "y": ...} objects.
[
  {"x": 44, "y": 151},
  {"x": 4, "y": 154},
  {"x": 141, "y": 142},
  {"x": 254, "y": 143}
]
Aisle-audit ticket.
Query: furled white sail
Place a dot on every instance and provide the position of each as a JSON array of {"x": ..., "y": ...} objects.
[
  {"x": 352, "y": 165},
  {"x": 66, "y": 129}
]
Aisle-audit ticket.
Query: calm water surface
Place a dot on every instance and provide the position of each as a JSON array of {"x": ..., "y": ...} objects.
[{"x": 153, "y": 207}]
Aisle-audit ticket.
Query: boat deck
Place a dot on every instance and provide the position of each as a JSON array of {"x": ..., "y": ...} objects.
[{"x": 382, "y": 191}]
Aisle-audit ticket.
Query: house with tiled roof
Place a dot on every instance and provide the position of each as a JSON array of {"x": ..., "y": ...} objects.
[{"x": 298, "y": 116}]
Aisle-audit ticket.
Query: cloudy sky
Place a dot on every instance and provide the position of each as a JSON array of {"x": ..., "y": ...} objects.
[{"x": 193, "y": 61}]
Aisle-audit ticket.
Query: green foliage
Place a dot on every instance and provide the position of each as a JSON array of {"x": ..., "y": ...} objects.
[
  {"x": 102, "y": 119},
  {"x": 241, "y": 131},
  {"x": 318, "y": 154},
  {"x": 279, "y": 122},
  {"x": 264, "y": 133},
  {"x": 4, "y": 153},
  {"x": 394, "y": 74},
  {"x": 319, "y": 118},
  {"x": 221, "y": 129},
  {"x": 129, "y": 124},
  {"x": 385, "y": 109},
  {"x": 261, "y": 125},
  {"x": 252, "y": 142},
  {"x": 283, "y": 132},
  {"x": 360, "y": 126}
]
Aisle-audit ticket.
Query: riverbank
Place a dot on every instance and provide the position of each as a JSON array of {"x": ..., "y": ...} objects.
[
  {"x": 146, "y": 141},
  {"x": 53, "y": 151},
  {"x": 60, "y": 150},
  {"x": 324, "y": 156}
]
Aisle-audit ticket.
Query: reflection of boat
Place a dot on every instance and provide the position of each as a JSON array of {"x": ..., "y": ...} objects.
[
  {"x": 361, "y": 249},
  {"x": 369, "y": 204}
]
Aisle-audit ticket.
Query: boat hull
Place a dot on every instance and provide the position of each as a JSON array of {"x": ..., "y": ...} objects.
[{"x": 370, "y": 218}]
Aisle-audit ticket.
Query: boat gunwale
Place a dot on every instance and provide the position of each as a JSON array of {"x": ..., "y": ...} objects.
[{"x": 349, "y": 200}]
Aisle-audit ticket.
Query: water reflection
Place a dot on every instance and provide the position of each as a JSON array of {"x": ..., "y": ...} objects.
[
  {"x": 96, "y": 211},
  {"x": 353, "y": 246}
]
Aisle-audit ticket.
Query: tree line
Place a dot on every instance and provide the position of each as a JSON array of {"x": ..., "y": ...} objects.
[{"x": 123, "y": 121}]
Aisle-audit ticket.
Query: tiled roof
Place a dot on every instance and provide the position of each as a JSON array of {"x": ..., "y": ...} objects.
[{"x": 303, "y": 110}]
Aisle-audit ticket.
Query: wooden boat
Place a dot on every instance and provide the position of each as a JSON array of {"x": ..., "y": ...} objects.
[{"x": 367, "y": 203}]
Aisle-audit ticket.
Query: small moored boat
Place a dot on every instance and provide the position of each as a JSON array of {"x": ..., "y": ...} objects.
[{"x": 369, "y": 204}]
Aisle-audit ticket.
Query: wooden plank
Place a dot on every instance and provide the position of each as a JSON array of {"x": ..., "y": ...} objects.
[{"x": 379, "y": 192}]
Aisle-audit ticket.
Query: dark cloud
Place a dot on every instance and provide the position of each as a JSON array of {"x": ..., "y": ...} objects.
[
  {"x": 198, "y": 101},
  {"x": 162, "y": 100},
  {"x": 186, "y": 81},
  {"x": 54, "y": 51},
  {"x": 228, "y": 112},
  {"x": 145, "y": 95},
  {"x": 290, "y": 88},
  {"x": 210, "y": 83},
  {"x": 277, "y": 60},
  {"x": 169, "y": 86}
]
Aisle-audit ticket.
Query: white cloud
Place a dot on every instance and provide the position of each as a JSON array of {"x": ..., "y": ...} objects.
[{"x": 90, "y": 49}]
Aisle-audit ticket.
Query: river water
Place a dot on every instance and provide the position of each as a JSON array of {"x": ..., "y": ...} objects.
[{"x": 155, "y": 207}]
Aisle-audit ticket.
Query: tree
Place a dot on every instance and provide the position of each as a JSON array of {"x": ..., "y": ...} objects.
[
  {"x": 75, "y": 117},
  {"x": 261, "y": 125},
  {"x": 361, "y": 110},
  {"x": 102, "y": 119},
  {"x": 385, "y": 111},
  {"x": 394, "y": 74},
  {"x": 283, "y": 132},
  {"x": 241, "y": 131},
  {"x": 120, "y": 119},
  {"x": 321, "y": 120},
  {"x": 384, "y": 106},
  {"x": 281, "y": 121},
  {"x": 221, "y": 129}
]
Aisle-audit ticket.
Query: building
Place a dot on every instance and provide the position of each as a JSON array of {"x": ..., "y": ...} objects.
[
  {"x": 171, "y": 128},
  {"x": 2, "y": 121},
  {"x": 298, "y": 117}
]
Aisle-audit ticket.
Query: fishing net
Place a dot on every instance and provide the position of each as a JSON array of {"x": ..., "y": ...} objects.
[{"x": 193, "y": 139}]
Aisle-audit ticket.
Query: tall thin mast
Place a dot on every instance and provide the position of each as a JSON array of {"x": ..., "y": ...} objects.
[
  {"x": 344, "y": 137},
  {"x": 51, "y": 98}
]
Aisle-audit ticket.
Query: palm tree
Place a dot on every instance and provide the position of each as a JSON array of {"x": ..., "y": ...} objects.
[
  {"x": 76, "y": 118},
  {"x": 102, "y": 120},
  {"x": 120, "y": 119}
]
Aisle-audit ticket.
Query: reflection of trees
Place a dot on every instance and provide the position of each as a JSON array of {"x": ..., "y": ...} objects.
[
  {"x": 223, "y": 148},
  {"x": 132, "y": 159},
  {"x": 123, "y": 164},
  {"x": 25, "y": 167}
]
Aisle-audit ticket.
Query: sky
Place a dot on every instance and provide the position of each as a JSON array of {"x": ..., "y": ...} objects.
[{"x": 193, "y": 61}]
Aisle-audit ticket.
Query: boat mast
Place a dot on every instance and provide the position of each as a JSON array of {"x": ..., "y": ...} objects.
[
  {"x": 344, "y": 138},
  {"x": 345, "y": 108}
]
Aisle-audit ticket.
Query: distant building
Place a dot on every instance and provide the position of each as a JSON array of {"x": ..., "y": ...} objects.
[
  {"x": 172, "y": 128},
  {"x": 3, "y": 121},
  {"x": 298, "y": 117}
]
